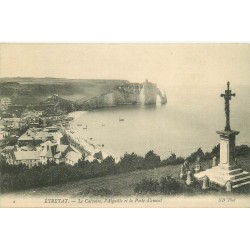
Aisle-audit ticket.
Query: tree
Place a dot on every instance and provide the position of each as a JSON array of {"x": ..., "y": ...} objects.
[
  {"x": 193, "y": 156},
  {"x": 152, "y": 160},
  {"x": 216, "y": 151},
  {"x": 242, "y": 150},
  {"x": 172, "y": 157},
  {"x": 108, "y": 164},
  {"x": 130, "y": 162}
]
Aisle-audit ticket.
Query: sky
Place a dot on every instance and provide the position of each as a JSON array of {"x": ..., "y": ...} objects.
[{"x": 168, "y": 65}]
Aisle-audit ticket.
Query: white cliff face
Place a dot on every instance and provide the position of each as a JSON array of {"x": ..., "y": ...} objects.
[
  {"x": 150, "y": 92},
  {"x": 108, "y": 100},
  {"x": 144, "y": 94}
]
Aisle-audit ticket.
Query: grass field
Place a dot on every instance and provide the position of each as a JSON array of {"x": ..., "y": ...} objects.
[{"x": 120, "y": 184}]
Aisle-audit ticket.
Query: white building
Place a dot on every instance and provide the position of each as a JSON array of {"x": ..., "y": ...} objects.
[{"x": 29, "y": 158}]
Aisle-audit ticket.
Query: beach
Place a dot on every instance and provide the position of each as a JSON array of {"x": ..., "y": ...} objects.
[{"x": 76, "y": 133}]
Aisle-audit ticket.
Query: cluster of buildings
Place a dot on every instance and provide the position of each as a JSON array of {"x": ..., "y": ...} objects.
[
  {"x": 31, "y": 134},
  {"x": 11, "y": 126},
  {"x": 5, "y": 102},
  {"x": 39, "y": 146}
]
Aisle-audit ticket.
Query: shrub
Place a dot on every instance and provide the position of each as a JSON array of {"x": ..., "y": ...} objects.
[
  {"x": 169, "y": 185},
  {"x": 147, "y": 186}
]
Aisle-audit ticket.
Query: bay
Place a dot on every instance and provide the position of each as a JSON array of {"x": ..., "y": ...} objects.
[{"x": 188, "y": 121}]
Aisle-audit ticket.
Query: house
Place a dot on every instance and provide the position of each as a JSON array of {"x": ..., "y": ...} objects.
[
  {"x": 53, "y": 152},
  {"x": 37, "y": 136},
  {"x": 8, "y": 149},
  {"x": 46, "y": 151},
  {"x": 72, "y": 157},
  {"x": 51, "y": 129},
  {"x": 34, "y": 136},
  {"x": 58, "y": 153},
  {"x": 29, "y": 158},
  {"x": 24, "y": 140},
  {"x": 57, "y": 135}
]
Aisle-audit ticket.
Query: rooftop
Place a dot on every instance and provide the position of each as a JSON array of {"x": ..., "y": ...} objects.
[
  {"x": 27, "y": 155},
  {"x": 7, "y": 148},
  {"x": 73, "y": 156},
  {"x": 35, "y": 134}
]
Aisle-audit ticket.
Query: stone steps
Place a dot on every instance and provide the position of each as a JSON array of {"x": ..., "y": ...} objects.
[
  {"x": 240, "y": 175},
  {"x": 221, "y": 176},
  {"x": 235, "y": 183},
  {"x": 235, "y": 171},
  {"x": 241, "y": 180},
  {"x": 241, "y": 184},
  {"x": 219, "y": 173},
  {"x": 222, "y": 171}
]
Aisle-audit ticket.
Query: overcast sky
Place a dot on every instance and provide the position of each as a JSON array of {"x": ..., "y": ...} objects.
[{"x": 167, "y": 65}]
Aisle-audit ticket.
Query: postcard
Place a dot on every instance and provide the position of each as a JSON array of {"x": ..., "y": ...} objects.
[{"x": 124, "y": 125}]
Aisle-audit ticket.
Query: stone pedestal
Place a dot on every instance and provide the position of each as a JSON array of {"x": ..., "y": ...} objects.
[
  {"x": 227, "y": 148},
  {"x": 227, "y": 172}
]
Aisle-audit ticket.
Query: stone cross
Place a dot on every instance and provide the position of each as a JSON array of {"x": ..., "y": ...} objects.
[{"x": 227, "y": 96}]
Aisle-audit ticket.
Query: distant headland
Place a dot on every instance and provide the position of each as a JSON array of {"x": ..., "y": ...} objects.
[
  {"x": 127, "y": 94},
  {"x": 69, "y": 95}
]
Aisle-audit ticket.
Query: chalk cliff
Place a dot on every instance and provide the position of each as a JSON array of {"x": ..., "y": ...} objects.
[{"x": 129, "y": 93}]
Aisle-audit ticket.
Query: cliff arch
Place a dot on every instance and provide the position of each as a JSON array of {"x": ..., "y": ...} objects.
[{"x": 129, "y": 93}]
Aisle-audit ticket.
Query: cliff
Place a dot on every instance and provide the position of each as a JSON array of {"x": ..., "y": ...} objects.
[
  {"x": 129, "y": 93},
  {"x": 80, "y": 94},
  {"x": 26, "y": 91}
]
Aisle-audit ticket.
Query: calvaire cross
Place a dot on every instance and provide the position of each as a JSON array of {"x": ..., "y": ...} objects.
[{"x": 227, "y": 96}]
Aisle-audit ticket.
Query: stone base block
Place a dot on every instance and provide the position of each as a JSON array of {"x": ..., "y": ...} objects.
[{"x": 221, "y": 176}]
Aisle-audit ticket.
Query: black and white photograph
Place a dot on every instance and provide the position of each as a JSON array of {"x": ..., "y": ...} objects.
[{"x": 125, "y": 125}]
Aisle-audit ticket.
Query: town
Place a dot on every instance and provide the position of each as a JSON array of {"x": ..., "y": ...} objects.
[{"x": 31, "y": 135}]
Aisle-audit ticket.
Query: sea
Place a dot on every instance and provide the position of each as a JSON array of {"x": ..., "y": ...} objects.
[{"x": 187, "y": 122}]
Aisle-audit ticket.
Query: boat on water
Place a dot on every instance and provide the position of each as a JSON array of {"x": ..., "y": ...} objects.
[
  {"x": 121, "y": 120},
  {"x": 79, "y": 124},
  {"x": 86, "y": 127}
]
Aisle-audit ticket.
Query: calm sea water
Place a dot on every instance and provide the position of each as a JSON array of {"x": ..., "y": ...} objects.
[{"x": 188, "y": 121}]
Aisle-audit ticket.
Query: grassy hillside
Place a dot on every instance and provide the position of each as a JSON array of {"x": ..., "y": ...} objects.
[
  {"x": 120, "y": 184},
  {"x": 34, "y": 90}
]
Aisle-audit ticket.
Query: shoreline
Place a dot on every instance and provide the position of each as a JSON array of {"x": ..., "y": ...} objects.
[
  {"x": 75, "y": 114},
  {"x": 85, "y": 146}
]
